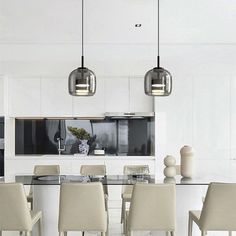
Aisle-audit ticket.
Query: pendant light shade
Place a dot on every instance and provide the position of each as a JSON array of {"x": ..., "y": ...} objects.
[
  {"x": 158, "y": 81},
  {"x": 82, "y": 81}
]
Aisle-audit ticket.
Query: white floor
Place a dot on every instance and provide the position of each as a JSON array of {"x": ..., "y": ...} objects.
[{"x": 115, "y": 227}]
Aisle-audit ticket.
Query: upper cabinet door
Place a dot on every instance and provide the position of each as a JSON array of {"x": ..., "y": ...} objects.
[
  {"x": 92, "y": 105},
  {"x": 139, "y": 101},
  {"x": 117, "y": 95},
  {"x": 56, "y": 100},
  {"x": 1, "y": 97},
  {"x": 24, "y": 97}
]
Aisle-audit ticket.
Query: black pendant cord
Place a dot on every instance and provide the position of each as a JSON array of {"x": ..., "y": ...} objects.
[
  {"x": 158, "y": 34},
  {"x": 82, "y": 57}
]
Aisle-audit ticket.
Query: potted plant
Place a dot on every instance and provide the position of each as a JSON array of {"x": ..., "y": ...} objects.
[{"x": 83, "y": 136}]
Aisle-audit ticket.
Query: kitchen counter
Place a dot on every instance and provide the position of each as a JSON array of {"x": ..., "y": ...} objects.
[{"x": 81, "y": 157}]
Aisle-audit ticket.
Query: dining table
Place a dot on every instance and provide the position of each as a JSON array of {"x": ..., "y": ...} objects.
[{"x": 46, "y": 192}]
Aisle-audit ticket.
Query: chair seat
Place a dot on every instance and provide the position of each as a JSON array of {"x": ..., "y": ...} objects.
[{"x": 35, "y": 216}]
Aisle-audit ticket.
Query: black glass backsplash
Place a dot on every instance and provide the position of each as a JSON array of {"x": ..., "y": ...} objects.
[
  {"x": 132, "y": 137},
  {"x": 1, "y": 127}
]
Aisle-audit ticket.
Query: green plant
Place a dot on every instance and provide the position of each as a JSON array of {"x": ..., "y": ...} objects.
[{"x": 79, "y": 133}]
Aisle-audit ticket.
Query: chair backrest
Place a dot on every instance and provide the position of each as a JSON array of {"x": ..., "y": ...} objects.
[
  {"x": 14, "y": 212},
  {"x": 219, "y": 208},
  {"x": 153, "y": 207},
  {"x": 47, "y": 170},
  {"x": 136, "y": 169},
  {"x": 93, "y": 170},
  {"x": 132, "y": 170},
  {"x": 82, "y": 207}
]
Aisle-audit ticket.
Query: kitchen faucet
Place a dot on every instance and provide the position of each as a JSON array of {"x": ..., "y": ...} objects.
[{"x": 60, "y": 149}]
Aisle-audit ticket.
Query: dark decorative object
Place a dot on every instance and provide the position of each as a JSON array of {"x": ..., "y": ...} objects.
[{"x": 83, "y": 136}]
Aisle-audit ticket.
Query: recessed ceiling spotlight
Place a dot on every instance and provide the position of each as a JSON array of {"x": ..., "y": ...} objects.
[{"x": 138, "y": 25}]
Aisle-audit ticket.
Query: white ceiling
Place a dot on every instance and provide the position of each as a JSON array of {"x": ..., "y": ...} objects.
[{"x": 112, "y": 21}]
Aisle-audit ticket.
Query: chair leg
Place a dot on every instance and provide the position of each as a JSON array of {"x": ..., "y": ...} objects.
[
  {"x": 65, "y": 233},
  {"x": 40, "y": 226},
  {"x": 28, "y": 233},
  {"x": 122, "y": 211},
  {"x": 203, "y": 233},
  {"x": 172, "y": 233},
  {"x": 167, "y": 233},
  {"x": 230, "y": 233},
  {"x": 0, "y": 233},
  {"x": 31, "y": 205},
  {"x": 83, "y": 233},
  {"x": 190, "y": 226},
  {"x": 103, "y": 234},
  {"x": 124, "y": 224}
]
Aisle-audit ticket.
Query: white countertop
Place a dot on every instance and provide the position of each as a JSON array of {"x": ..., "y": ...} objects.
[{"x": 77, "y": 157}]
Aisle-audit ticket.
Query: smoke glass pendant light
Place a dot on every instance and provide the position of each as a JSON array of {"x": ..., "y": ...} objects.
[
  {"x": 158, "y": 81},
  {"x": 82, "y": 81}
]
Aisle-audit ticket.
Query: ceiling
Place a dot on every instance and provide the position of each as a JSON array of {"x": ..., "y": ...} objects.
[{"x": 113, "y": 21}]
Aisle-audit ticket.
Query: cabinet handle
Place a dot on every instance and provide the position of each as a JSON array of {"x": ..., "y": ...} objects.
[{"x": 129, "y": 114}]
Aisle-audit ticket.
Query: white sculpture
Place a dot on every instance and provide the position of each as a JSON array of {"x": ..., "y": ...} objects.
[{"x": 170, "y": 169}]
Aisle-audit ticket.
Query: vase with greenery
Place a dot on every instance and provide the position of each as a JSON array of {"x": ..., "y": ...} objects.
[{"x": 83, "y": 136}]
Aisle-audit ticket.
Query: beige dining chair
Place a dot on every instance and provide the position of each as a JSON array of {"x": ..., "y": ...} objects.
[
  {"x": 82, "y": 208},
  {"x": 152, "y": 208},
  {"x": 42, "y": 170},
  {"x": 93, "y": 170},
  {"x": 46, "y": 170},
  {"x": 96, "y": 170},
  {"x": 127, "y": 189},
  {"x": 218, "y": 212},
  {"x": 14, "y": 212}
]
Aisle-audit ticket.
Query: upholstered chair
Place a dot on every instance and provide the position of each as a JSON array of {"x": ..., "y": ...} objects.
[
  {"x": 14, "y": 212},
  {"x": 127, "y": 189},
  {"x": 218, "y": 211},
  {"x": 82, "y": 208},
  {"x": 152, "y": 208},
  {"x": 42, "y": 170}
]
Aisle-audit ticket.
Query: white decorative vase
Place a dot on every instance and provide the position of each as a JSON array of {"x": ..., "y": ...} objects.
[
  {"x": 187, "y": 161},
  {"x": 83, "y": 146},
  {"x": 170, "y": 170}
]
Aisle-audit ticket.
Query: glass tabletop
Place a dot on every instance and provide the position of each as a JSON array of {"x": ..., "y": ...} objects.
[
  {"x": 105, "y": 180},
  {"x": 117, "y": 179}
]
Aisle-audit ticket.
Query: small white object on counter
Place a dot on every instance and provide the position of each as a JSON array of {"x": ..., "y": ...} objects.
[
  {"x": 99, "y": 152},
  {"x": 170, "y": 170}
]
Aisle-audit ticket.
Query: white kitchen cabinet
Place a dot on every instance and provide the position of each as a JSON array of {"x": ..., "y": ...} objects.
[
  {"x": 139, "y": 101},
  {"x": 24, "y": 97},
  {"x": 127, "y": 95},
  {"x": 1, "y": 97},
  {"x": 117, "y": 95},
  {"x": 55, "y": 98},
  {"x": 92, "y": 105}
]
